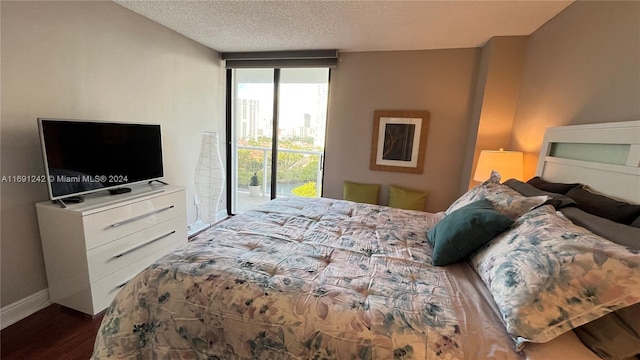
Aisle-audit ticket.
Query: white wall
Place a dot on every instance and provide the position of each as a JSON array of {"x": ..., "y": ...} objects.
[{"x": 92, "y": 60}]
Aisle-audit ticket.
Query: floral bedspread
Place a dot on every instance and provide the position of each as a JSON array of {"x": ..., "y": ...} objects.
[{"x": 295, "y": 279}]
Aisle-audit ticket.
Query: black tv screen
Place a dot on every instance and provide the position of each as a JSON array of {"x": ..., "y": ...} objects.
[{"x": 86, "y": 156}]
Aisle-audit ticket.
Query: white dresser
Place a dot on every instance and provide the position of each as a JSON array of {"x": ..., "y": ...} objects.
[{"x": 93, "y": 248}]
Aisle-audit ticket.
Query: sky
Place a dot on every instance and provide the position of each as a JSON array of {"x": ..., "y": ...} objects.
[{"x": 295, "y": 100}]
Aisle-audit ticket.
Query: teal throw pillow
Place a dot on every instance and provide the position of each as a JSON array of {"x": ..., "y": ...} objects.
[{"x": 464, "y": 230}]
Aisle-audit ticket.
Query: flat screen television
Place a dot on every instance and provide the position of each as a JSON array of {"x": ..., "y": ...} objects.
[{"x": 83, "y": 156}]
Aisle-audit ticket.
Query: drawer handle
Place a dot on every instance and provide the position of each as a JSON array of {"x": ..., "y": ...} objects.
[
  {"x": 124, "y": 252},
  {"x": 141, "y": 216},
  {"x": 122, "y": 284}
]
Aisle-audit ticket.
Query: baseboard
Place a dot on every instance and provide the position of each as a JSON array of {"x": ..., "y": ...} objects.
[{"x": 23, "y": 308}]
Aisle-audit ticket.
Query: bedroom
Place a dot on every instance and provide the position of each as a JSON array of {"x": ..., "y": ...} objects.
[{"x": 581, "y": 67}]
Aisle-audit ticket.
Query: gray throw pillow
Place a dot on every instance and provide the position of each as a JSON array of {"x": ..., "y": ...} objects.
[
  {"x": 558, "y": 188},
  {"x": 558, "y": 201},
  {"x": 604, "y": 206},
  {"x": 622, "y": 234},
  {"x": 613, "y": 336}
]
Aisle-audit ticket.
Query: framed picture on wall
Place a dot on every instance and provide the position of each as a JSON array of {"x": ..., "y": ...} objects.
[{"x": 399, "y": 141}]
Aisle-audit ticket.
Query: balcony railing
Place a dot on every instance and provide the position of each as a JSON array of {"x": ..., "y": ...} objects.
[{"x": 266, "y": 164}]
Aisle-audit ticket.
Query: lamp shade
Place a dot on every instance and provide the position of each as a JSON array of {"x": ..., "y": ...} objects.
[{"x": 508, "y": 163}]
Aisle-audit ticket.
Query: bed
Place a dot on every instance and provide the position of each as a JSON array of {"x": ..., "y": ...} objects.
[{"x": 321, "y": 278}]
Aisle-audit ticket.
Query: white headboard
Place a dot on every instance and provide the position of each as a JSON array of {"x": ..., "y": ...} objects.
[{"x": 605, "y": 157}]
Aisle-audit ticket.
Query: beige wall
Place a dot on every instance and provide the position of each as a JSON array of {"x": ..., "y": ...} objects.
[
  {"x": 439, "y": 81},
  {"x": 582, "y": 67},
  {"x": 496, "y": 95},
  {"x": 92, "y": 60}
]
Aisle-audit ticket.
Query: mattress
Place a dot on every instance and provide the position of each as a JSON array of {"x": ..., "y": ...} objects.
[{"x": 305, "y": 278}]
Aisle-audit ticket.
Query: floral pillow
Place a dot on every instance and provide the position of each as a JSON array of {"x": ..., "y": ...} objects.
[
  {"x": 548, "y": 276},
  {"x": 502, "y": 197}
]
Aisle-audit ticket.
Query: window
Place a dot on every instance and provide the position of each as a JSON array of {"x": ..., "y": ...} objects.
[{"x": 282, "y": 112}]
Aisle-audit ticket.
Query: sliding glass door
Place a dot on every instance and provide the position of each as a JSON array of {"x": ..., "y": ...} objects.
[{"x": 281, "y": 112}]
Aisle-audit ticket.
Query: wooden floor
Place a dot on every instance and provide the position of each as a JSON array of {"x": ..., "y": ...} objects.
[{"x": 52, "y": 333}]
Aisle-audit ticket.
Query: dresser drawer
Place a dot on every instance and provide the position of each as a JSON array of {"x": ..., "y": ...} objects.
[
  {"x": 106, "y": 259},
  {"x": 90, "y": 248},
  {"x": 104, "y": 290},
  {"x": 105, "y": 226}
]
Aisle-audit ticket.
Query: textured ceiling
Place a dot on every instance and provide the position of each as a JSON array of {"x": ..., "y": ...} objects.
[{"x": 228, "y": 26}]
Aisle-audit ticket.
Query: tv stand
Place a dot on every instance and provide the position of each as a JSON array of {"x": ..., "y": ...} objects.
[
  {"x": 160, "y": 181},
  {"x": 118, "y": 191},
  {"x": 70, "y": 199}
]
